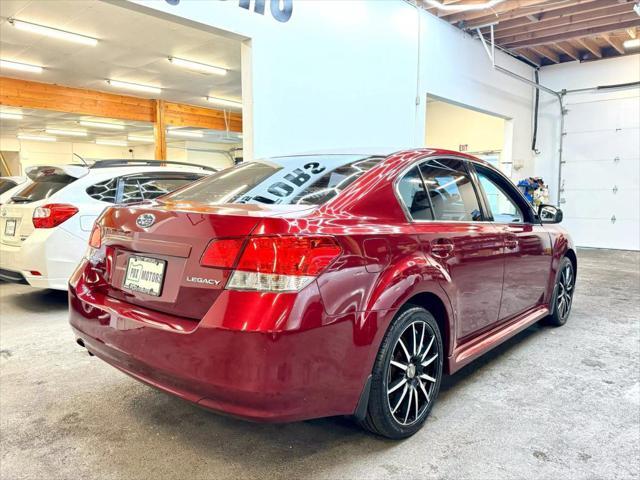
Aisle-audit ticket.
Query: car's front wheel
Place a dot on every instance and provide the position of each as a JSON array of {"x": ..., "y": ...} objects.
[
  {"x": 562, "y": 294},
  {"x": 406, "y": 376}
]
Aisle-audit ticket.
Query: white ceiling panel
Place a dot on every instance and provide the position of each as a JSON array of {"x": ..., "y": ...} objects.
[{"x": 133, "y": 47}]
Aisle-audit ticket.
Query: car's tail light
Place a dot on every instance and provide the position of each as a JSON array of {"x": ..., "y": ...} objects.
[
  {"x": 95, "y": 240},
  {"x": 222, "y": 253},
  {"x": 52, "y": 215},
  {"x": 280, "y": 264}
]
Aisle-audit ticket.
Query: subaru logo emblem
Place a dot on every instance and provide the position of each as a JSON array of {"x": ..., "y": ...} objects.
[{"x": 145, "y": 220}]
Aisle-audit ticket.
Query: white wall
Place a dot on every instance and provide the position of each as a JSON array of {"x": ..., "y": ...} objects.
[
  {"x": 569, "y": 76},
  {"x": 345, "y": 74}
]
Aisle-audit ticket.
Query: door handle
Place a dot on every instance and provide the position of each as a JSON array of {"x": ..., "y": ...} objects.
[{"x": 442, "y": 247}]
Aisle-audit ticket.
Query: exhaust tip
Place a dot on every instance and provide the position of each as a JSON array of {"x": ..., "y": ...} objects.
[{"x": 80, "y": 342}]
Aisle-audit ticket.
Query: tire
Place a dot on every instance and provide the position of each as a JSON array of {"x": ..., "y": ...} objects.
[
  {"x": 562, "y": 298},
  {"x": 416, "y": 373}
]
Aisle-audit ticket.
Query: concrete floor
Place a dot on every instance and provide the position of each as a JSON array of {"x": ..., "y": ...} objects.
[{"x": 551, "y": 403}]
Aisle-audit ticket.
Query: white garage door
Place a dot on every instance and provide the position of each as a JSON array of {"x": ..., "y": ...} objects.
[{"x": 601, "y": 176}]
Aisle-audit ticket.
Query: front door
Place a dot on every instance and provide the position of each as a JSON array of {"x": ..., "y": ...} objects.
[
  {"x": 444, "y": 205},
  {"x": 527, "y": 245}
]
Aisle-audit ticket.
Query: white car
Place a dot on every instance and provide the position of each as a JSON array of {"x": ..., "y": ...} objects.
[
  {"x": 9, "y": 186},
  {"x": 45, "y": 226}
]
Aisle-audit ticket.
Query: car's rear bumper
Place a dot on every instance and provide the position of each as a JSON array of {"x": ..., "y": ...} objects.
[
  {"x": 45, "y": 259},
  {"x": 260, "y": 376}
]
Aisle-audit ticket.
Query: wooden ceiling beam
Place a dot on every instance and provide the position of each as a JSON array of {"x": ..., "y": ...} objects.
[
  {"x": 569, "y": 49},
  {"x": 591, "y": 46},
  {"x": 501, "y": 8},
  {"x": 608, "y": 23},
  {"x": 587, "y": 32},
  {"x": 615, "y": 43},
  {"x": 530, "y": 55},
  {"x": 563, "y": 21},
  {"x": 517, "y": 11},
  {"x": 547, "y": 53},
  {"x": 551, "y": 14},
  {"x": 45, "y": 96}
]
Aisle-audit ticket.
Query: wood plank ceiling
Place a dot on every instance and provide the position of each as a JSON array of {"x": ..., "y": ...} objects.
[{"x": 550, "y": 31}]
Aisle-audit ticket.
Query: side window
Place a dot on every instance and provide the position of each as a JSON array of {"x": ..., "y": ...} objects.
[
  {"x": 451, "y": 193},
  {"x": 503, "y": 207},
  {"x": 138, "y": 187},
  {"x": 104, "y": 191},
  {"x": 413, "y": 194}
]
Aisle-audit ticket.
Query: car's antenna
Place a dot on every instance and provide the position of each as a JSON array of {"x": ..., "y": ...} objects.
[{"x": 81, "y": 159}]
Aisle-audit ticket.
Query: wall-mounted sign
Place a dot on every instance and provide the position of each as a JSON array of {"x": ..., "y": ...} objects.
[
  {"x": 463, "y": 147},
  {"x": 281, "y": 10}
]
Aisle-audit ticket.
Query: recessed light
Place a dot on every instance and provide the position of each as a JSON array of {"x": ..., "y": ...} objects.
[
  {"x": 197, "y": 66},
  {"x": 185, "y": 133},
  {"x": 631, "y": 43},
  {"x": 23, "y": 67},
  {"x": 134, "y": 86},
  {"x": 106, "y": 126},
  {"x": 224, "y": 102},
  {"x": 140, "y": 138},
  {"x": 10, "y": 116},
  {"x": 53, "y": 32},
  {"x": 115, "y": 143},
  {"x": 36, "y": 138},
  {"x": 69, "y": 133}
]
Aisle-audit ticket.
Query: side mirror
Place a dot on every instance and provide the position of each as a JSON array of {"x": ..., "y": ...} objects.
[{"x": 549, "y": 214}]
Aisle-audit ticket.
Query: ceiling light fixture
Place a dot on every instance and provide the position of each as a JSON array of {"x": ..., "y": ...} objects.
[
  {"x": 224, "y": 103},
  {"x": 134, "y": 86},
  {"x": 631, "y": 44},
  {"x": 23, "y": 67},
  {"x": 53, "y": 32},
  {"x": 463, "y": 8},
  {"x": 185, "y": 133},
  {"x": 36, "y": 138},
  {"x": 113, "y": 143},
  {"x": 10, "y": 116},
  {"x": 69, "y": 133},
  {"x": 140, "y": 138},
  {"x": 106, "y": 126},
  {"x": 197, "y": 66}
]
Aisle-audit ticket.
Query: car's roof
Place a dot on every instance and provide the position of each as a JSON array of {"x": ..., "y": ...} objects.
[{"x": 390, "y": 151}]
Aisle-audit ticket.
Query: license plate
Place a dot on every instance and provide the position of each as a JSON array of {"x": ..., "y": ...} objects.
[
  {"x": 145, "y": 275},
  {"x": 10, "y": 228}
]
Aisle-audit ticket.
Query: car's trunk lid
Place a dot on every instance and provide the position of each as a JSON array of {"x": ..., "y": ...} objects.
[{"x": 177, "y": 236}]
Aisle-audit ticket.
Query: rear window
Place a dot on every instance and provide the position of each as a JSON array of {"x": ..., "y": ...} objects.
[
  {"x": 312, "y": 179},
  {"x": 138, "y": 187},
  {"x": 43, "y": 187},
  {"x": 6, "y": 185}
]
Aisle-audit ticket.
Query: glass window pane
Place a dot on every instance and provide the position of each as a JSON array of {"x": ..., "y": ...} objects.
[
  {"x": 414, "y": 196},
  {"x": 309, "y": 179},
  {"x": 451, "y": 190},
  {"x": 503, "y": 208}
]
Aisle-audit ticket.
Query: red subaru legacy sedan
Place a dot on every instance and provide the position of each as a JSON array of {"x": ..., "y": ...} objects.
[{"x": 318, "y": 285}]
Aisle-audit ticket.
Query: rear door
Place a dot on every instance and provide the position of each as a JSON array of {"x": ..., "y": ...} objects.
[
  {"x": 445, "y": 208},
  {"x": 527, "y": 245},
  {"x": 16, "y": 216}
]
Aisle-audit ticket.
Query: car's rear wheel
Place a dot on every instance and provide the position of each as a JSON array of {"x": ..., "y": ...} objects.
[
  {"x": 406, "y": 376},
  {"x": 562, "y": 294}
]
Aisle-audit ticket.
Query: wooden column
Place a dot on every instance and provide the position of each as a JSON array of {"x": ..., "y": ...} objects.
[{"x": 160, "y": 131}]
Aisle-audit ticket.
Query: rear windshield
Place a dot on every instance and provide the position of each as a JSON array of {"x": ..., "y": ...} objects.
[
  {"x": 43, "y": 187},
  {"x": 6, "y": 185},
  {"x": 312, "y": 180}
]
